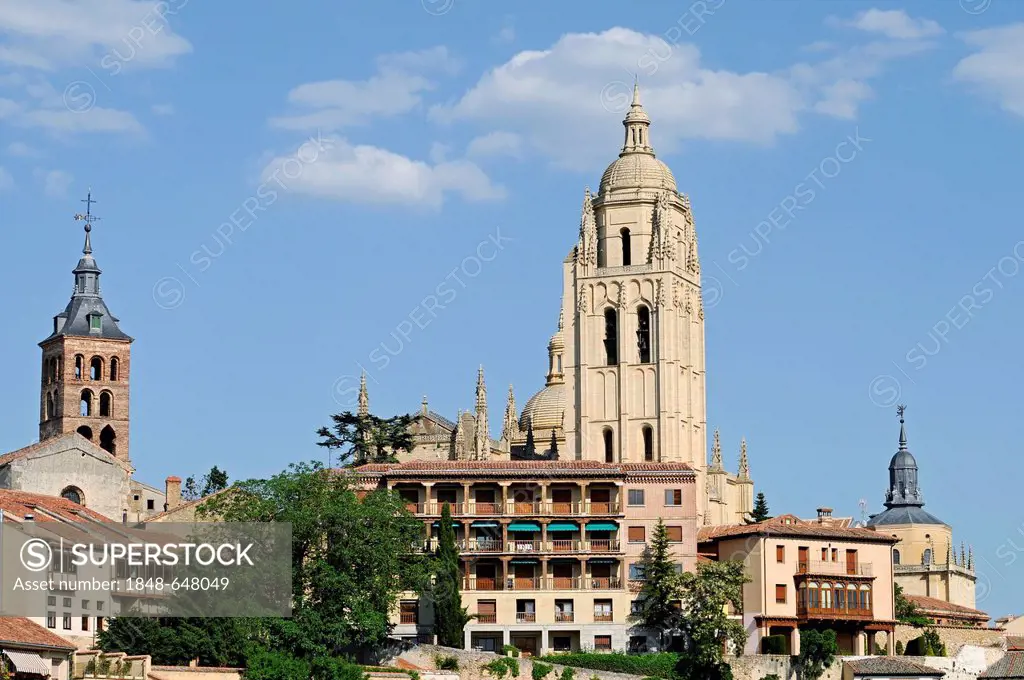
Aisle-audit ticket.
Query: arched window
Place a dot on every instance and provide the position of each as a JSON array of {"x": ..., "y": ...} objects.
[
  {"x": 49, "y": 405},
  {"x": 611, "y": 337},
  {"x": 648, "y": 434},
  {"x": 73, "y": 494},
  {"x": 96, "y": 368},
  {"x": 926, "y": 558},
  {"x": 812, "y": 595},
  {"x": 840, "y": 596},
  {"x": 114, "y": 366},
  {"x": 85, "y": 431},
  {"x": 106, "y": 407},
  {"x": 108, "y": 440},
  {"x": 826, "y": 596},
  {"x": 865, "y": 597},
  {"x": 609, "y": 446},
  {"x": 626, "y": 252},
  {"x": 802, "y": 595},
  {"x": 79, "y": 366},
  {"x": 643, "y": 334},
  {"x": 895, "y": 556},
  {"x": 85, "y": 404}
]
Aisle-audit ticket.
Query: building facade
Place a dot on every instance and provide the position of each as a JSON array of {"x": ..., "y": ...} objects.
[
  {"x": 550, "y": 550},
  {"x": 810, "y": 575},
  {"x": 927, "y": 563}
]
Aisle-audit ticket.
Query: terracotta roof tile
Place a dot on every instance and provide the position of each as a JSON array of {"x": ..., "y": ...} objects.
[
  {"x": 1014, "y": 643},
  {"x": 892, "y": 666},
  {"x": 789, "y": 525},
  {"x": 16, "y": 630},
  {"x": 1010, "y": 666},
  {"x": 17, "y": 504},
  {"x": 931, "y": 604}
]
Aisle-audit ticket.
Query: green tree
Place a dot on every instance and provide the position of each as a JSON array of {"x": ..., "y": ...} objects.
[
  {"x": 705, "y": 597},
  {"x": 760, "y": 512},
  {"x": 907, "y": 611},
  {"x": 366, "y": 439},
  {"x": 176, "y": 641},
  {"x": 450, "y": 617},
  {"x": 212, "y": 482},
  {"x": 818, "y": 650},
  {"x": 657, "y": 603}
]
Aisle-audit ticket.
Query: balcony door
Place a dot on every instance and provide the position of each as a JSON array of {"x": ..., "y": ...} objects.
[
  {"x": 485, "y": 504},
  {"x": 562, "y": 574},
  {"x": 486, "y": 578},
  {"x": 561, "y": 501},
  {"x": 851, "y": 562},
  {"x": 600, "y": 501},
  {"x": 803, "y": 559}
]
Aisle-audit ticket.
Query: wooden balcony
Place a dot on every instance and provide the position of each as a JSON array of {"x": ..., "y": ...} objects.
[
  {"x": 555, "y": 583},
  {"x": 487, "y": 618},
  {"x": 476, "y": 546},
  {"x": 834, "y": 613},
  {"x": 564, "y": 617},
  {"x": 526, "y": 617},
  {"x": 517, "y": 509},
  {"x": 603, "y": 616}
]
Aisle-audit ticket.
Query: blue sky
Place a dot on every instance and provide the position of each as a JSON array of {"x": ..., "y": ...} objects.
[{"x": 282, "y": 189}]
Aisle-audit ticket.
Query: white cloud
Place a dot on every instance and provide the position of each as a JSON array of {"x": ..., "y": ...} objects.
[
  {"x": 6, "y": 181},
  {"x": 368, "y": 174},
  {"x": 55, "y": 182},
  {"x": 841, "y": 99},
  {"x": 506, "y": 35},
  {"x": 396, "y": 88},
  {"x": 22, "y": 150},
  {"x": 498, "y": 143},
  {"x": 995, "y": 67},
  {"x": 893, "y": 23},
  {"x": 69, "y": 113},
  {"x": 50, "y": 33},
  {"x": 163, "y": 109}
]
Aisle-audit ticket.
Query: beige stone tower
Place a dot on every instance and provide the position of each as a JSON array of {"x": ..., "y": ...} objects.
[
  {"x": 633, "y": 317},
  {"x": 86, "y": 364}
]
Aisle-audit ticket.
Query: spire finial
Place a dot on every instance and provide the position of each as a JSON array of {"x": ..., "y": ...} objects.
[
  {"x": 88, "y": 218},
  {"x": 636, "y": 90},
  {"x": 364, "y": 398},
  {"x": 716, "y": 452},
  {"x": 900, "y": 410},
  {"x": 744, "y": 471},
  {"x": 423, "y": 405}
]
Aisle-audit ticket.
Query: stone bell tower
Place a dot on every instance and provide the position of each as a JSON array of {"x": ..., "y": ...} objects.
[
  {"x": 634, "y": 335},
  {"x": 86, "y": 363}
]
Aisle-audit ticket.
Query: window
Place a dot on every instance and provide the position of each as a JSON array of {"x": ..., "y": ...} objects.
[
  {"x": 926, "y": 558},
  {"x": 410, "y": 611},
  {"x": 865, "y": 597},
  {"x": 85, "y": 624},
  {"x": 85, "y": 604},
  {"x": 780, "y": 553},
  {"x": 561, "y": 643},
  {"x": 51, "y": 601},
  {"x": 150, "y": 504},
  {"x": 49, "y": 406},
  {"x": 643, "y": 334},
  {"x": 824, "y": 554},
  {"x": 636, "y": 571},
  {"x": 636, "y": 534},
  {"x": 79, "y": 366},
  {"x": 603, "y": 610},
  {"x": 99, "y": 606},
  {"x": 609, "y": 447},
  {"x": 603, "y": 643},
  {"x": 487, "y": 611},
  {"x": 85, "y": 403},
  {"x": 114, "y": 366},
  {"x": 675, "y": 534},
  {"x": 835, "y": 554},
  {"x": 895, "y": 556},
  {"x": 638, "y": 644},
  {"x": 67, "y": 622},
  {"x": 648, "y": 434},
  {"x": 96, "y": 368},
  {"x": 73, "y": 494},
  {"x": 564, "y": 611},
  {"x": 636, "y": 497},
  {"x": 105, "y": 404},
  {"x": 51, "y": 619},
  {"x": 67, "y": 601},
  {"x": 611, "y": 337},
  {"x": 95, "y": 322},
  {"x": 673, "y": 497},
  {"x": 626, "y": 250}
]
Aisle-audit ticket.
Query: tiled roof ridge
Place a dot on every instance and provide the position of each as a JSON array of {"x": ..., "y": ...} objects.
[
  {"x": 18, "y": 630},
  {"x": 934, "y": 603},
  {"x": 772, "y": 527}
]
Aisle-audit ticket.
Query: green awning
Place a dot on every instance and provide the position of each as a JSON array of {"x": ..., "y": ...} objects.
[
  {"x": 457, "y": 524},
  {"x": 563, "y": 526},
  {"x": 524, "y": 526},
  {"x": 486, "y": 525},
  {"x": 523, "y": 561},
  {"x": 602, "y": 526},
  {"x": 603, "y": 560}
]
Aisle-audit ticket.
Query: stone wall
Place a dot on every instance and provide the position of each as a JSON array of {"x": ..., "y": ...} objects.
[
  {"x": 472, "y": 661},
  {"x": 954, "y": 637}
]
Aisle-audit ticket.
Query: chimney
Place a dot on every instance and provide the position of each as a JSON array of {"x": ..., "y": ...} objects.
[
  {"x": 824, "y": 515},
  {"x": 173, "y": 491}
]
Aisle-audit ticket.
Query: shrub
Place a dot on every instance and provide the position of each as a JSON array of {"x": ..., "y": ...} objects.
[
  {"x": 103, "y": 667},
  {"x": 413, "y": 675},
  {"x": 90, "y": 668},
  {"x": 899, "y": 648},
  {"x": 446, "y": 663},
  {"x": 503, "y": 666},
  {"x": 541, "y": 670},
  {"x": 656, "y": 665},
  {"x": 510, "y": 650},
  {"x": 567, "y": 674},
  {"x": 818, "y": 650},
  {"x": 773, "y": 644}
]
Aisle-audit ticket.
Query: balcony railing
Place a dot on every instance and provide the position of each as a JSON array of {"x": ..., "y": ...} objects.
[
  {"x": 517, "y": 508},
  {"x": 526, "y": 617},
  {"x": 610, "y": 583},
  {"x": 409, "y": 617},
  {"x": 514, "y": 583},
  {"x": 496, "y": 545},
  {"x": 604, "y": 545},
  {"x": 808, "y": 612},
  {"x": 525, "y": 583},
  {"x": 603, "y": 616},
  {"x": 563, "y": 617},
  {"x": 524, "y": 546},
  {"x": 487, "y": 618},
  {"x": 834, "y": 568}
]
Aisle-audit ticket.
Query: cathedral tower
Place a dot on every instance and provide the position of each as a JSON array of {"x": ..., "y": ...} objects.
[
  {"x": 634, "y": 320},
  {"x": 86, "y": 364}
]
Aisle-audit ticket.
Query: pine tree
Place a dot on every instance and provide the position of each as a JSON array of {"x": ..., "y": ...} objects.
[
  {"x": 761, "y": 512},
  {"x": 450, "y": 617},
  {"x": 658, "y": 600}
]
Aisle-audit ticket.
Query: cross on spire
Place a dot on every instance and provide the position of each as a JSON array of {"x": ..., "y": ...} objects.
[{"x": 88, "y": 218}]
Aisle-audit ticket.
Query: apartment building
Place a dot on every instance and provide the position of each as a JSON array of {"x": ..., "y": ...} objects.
[
  {"x": 550, "y": 550},
  {"x": 811, "y": 574}
]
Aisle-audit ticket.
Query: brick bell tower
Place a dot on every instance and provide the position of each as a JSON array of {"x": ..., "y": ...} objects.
[{"x": 86, "y": 363}]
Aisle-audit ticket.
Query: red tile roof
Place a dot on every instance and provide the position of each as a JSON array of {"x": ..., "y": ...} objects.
[
  {"x": 792, "y": 526},
  {"x": 17, "y": 504},
  {"x": 518, "y": 468},
  {"x": 890, "y": 666},
  {"x": 73, "y": 440},
  {"x": 1014, "y": 643},
  {"x": 1010, "y": 666},
  {"x": 17, "y": 630},
  {"x": 930, "y": 605}
]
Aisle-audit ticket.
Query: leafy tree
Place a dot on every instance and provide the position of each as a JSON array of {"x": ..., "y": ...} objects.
[
  {"x": 705, "y": 623},
  {"x": 760, "y": 512},
  {"x": 931, "y": 643},
  {"x": 818, "y": 650},
  {"x": 450, "y": 617},
  {"x": 366, "y": 439},
  {"x": 176, "y": 641},
  {"x": 907, "y": 611},
  {"x": 658, "y": 600},
  {"x": 212, "y": 482}
]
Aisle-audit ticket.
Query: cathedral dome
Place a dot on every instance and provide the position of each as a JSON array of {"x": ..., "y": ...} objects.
[
  {"x": 637, "y": 171},
  {"x": 545, "y": 409}
]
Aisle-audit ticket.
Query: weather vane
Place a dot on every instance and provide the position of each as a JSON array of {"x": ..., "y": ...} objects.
[
  {"x": 88, "y": 217},
  {"x": 900, "y": 410}
]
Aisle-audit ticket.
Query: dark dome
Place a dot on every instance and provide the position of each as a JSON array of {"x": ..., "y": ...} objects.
[
  {"x": 904, "y": 515},
  {"x": 903, "y": 460}
]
